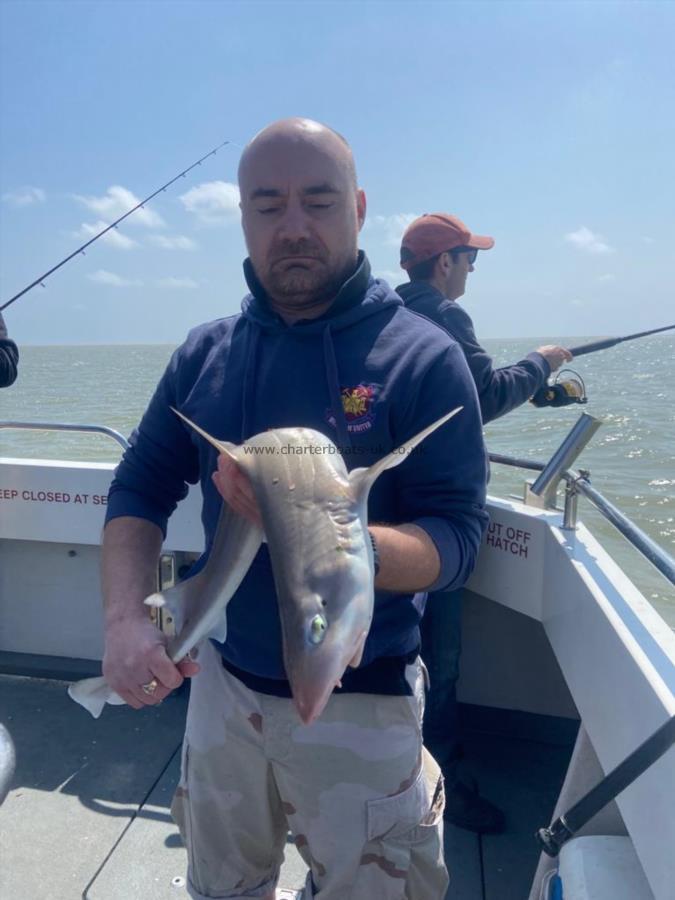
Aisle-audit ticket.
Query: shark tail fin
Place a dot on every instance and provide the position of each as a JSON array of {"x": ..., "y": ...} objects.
[
  {"x": 222, "y": 446},
  {"x": 93, "y": 694},
  {"x": 363, "y": 479}
]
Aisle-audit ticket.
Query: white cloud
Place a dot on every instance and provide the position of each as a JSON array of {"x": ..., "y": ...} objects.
[
  {"x": 213, "y": 202},
  {"x": 102, "y": 276},
  {"x": 586, "y": 240},
  {"x": 393, "y": 278},
  {"x": 391, "y": 227},
  {"x": 648, "y": 240},
  {"x": 26, "y": 196},
  {"x": 177, "y": 242},
  {"x": 180, "y": 284},
  {"x": 113, "y": 238},
  {"x": 607, "y": 277},
  {"x": 116, "y": 202}
]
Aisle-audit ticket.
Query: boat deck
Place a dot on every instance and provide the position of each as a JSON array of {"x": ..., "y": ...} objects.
[{"x": 88, "y": 813}]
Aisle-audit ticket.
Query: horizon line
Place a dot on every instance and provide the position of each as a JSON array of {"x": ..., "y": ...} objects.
[{"x": 536, "y": 337}]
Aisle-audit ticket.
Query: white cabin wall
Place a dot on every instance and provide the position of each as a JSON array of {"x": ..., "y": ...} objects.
[
  {"x": 50, "y": 602},
  {"x": 507, "y": 661}
]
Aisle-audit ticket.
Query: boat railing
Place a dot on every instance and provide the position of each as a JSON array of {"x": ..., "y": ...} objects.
[
  {"x": 543, "y": 494},
  {"x": 579, "y": 483},
  {"x": 64, "y": 426}
]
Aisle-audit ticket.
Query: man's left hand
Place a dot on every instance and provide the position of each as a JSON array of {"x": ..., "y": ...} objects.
[{"x": 555, "y": 356}]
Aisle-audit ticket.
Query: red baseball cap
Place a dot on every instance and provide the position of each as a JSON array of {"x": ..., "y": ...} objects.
[{"x": 434, "y": 233}]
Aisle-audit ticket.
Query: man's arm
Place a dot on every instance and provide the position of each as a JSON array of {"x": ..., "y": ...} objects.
[
  {"x": 409, "y": 560},
  {"x": 129, "y": 562},
  {"x": 504, "y": 389},
  {"x": 441, "y": 488}
]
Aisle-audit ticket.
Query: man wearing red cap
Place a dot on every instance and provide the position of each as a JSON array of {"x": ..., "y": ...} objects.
[{"x": 438, "y": 252}]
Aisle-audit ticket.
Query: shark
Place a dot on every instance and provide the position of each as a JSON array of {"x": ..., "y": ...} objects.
[{"x": 315, "y": 521}]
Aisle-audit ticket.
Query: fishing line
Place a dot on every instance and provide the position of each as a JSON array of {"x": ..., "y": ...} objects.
[{"x": 114, "y": 224}]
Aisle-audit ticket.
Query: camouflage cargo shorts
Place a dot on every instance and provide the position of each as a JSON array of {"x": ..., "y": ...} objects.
[{"x": 361, "y": 797}]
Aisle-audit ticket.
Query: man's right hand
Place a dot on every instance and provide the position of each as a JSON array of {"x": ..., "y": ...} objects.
[
  {"x": 555, "y": 356},
  {"x": 135, "y": 654}
]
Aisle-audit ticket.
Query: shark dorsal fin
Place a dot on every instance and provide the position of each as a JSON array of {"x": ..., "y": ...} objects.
[
  {"x": 363, "y": 479},
  {"x": 222, "y": 446}
]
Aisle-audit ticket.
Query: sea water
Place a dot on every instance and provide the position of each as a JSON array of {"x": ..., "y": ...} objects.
[{"x": 631, "y": 388}]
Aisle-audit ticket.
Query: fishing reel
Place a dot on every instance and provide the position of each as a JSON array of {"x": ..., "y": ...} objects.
[{"x": 562, "y": 391}]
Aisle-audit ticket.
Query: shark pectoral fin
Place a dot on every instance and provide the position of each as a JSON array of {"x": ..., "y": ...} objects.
[
  {"x": 363, "y": 479},
  {"x": 235, "y": 545},
  {"x": 219, "y": 630},
  {"x": 355, "y": 661},
  {"x": 222, "y": 446},
  {"x": 166, "y": 600},
  {"x": 93, "y": 694},
  {"x": 174, "y": 599},
  {"x": 244, "y": 540}
]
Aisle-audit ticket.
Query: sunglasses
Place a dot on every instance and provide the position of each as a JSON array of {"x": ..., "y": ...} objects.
[{"x": 471, "y": 252}]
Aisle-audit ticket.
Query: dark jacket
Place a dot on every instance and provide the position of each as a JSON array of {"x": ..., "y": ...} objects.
[
  {"x": 499, "y": 390},
  {"x": 9, "y": 357},
  {"x": 247, "y": 373}
]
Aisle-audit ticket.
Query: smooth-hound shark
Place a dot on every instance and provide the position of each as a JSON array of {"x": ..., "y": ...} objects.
[{"x": 315, "y": 520}]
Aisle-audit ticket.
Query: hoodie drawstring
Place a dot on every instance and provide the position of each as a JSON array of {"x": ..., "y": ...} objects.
[
  {"x": 252, "y": 337},
  {"x": 333, "y": 379}
]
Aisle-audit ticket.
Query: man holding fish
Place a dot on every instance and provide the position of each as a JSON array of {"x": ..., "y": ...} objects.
[{"x": 306, "y": 705}]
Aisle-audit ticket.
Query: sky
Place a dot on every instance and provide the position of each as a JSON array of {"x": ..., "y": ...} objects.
[{"x": 547, "y": 125}]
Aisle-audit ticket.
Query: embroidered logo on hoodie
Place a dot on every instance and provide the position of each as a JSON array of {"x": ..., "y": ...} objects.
[{"x": 358, "y": 406}]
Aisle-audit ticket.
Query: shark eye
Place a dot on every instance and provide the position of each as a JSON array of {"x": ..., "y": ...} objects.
[{"x": 317, "y": 629}]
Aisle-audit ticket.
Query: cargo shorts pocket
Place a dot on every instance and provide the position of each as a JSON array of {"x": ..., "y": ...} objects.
[{"x": 405, "y": 841}]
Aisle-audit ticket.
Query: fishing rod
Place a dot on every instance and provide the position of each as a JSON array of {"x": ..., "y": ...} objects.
[
  {"x": 114, "y": 224},
  {"x": 565, "y": 391},
  {"x": 582, "y": 349}
]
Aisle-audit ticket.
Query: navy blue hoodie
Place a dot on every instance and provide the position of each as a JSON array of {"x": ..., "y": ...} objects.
[
  {"x": 368, "y": 374},
  {"x": 499, "y": 390}
]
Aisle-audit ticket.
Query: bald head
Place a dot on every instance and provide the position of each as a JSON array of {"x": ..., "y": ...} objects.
[
  {"x": 298, "y": 132},
  {"x": 301, "y": 213}
]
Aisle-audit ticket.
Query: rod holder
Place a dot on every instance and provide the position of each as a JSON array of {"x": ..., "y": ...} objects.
[{"x": 543, "y": 490}]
